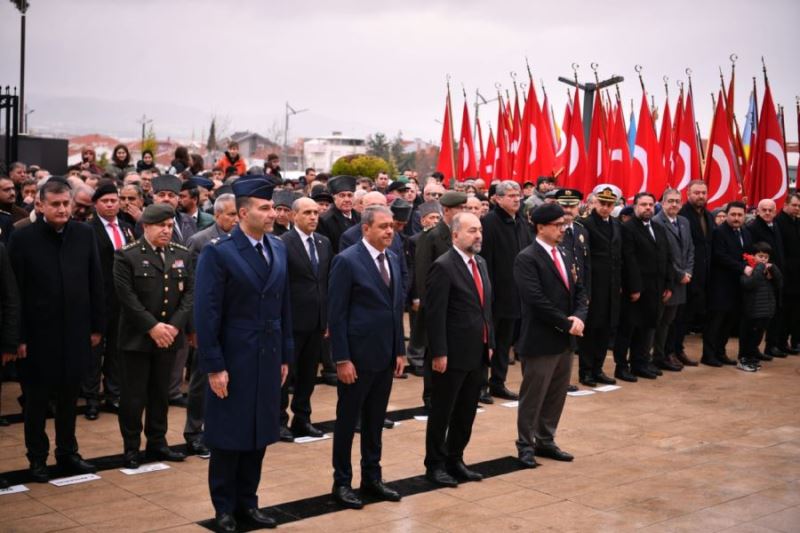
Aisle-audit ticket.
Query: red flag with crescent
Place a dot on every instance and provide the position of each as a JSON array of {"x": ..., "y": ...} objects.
[
  {"x": 768, "y": 177},
  {"x": 467, "y": 167},
  {"x": 720, "y": 173}
]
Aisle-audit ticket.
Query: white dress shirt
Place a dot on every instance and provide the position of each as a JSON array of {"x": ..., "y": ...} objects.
[{"x": 374, "y": 253}]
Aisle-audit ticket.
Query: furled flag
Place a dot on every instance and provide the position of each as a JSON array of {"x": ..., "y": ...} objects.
[
  {"x": 768, "y": 175},
  {"x": 577, "y": 164},
  {"x": 749, "y": 136},
  {"x": 446, "y": 162},
  {"x": 720, "y": 172},
  {"x": 502, "y": 166},
  {"x": 547, "y": 118},
  {"x": 467, "y": 167},
  {"x": 647, "y": 164},
  {"x": 686, "y": 155},
  {"x": 665, "y": 141},
  {"x": 597, "y": 147},
  {"x": 619, "y": 161},
  {"x": 514, "y": 139},
  {"x": 487, "y": 167},
  {"x": 632, "y": 130},
  {"x": 560, "y": 160}
]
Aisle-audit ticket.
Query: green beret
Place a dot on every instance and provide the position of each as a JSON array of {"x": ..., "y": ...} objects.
[
  {"x": 453, "y": 199},
  {"x": 155, "y": 213}
]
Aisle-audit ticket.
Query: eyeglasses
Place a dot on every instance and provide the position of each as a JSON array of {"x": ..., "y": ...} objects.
[
  {"x": 559, "y": 225},
  {"x": 435, "y": 194}
]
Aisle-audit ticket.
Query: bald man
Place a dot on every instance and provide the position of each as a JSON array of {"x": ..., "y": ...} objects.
[{"x": 353, "y": 234}]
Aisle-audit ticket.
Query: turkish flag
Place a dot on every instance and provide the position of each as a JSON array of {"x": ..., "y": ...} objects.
[
  {"x": 447, "y": 152},
  {"x": 619, "y": 160},
  {"x": 647, "y": 164},
  {"x": 686, "y": 153},
  {"x": 665, "y": 141},
  {"x": 768, "y": 174},
  {"x": 480, "y": 143},
  {"x": 598, "y": 147},
  {"x": 720, "y": 171},
  {"x": 525, "y": 142},
  {"x": 577, "y": 163},
  {"x": 514, "y": 139},
  {"x": 487, "y": 167},
  {"x": 467, "y": 167},
  {"x": 502, "y": 165},
  {"x": 548, "y": 122}
]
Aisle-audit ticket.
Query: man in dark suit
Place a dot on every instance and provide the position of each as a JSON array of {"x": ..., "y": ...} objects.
[
  {"x": 189, "y": 201},
  {"x": 9, "y": 321},
  {"x": 111, "y": 234},
  {"x": 459, "y": 316},
  {"x": 341, "y": 215},
  {"x": 554, "y": 307},
  {"x": 506, "y": 233},
  {"x": 701, "y": 223},
  {"x": 764, "y": 229},
  {"x": 679, "y": 236},
  {"x": 365, "y": 314},
  {"x": 605, "y": 271},
  {"x": 647, "y": 281},
  {"x": 154, "y": 284},
  {"x": 225, "y": 219},
  {"x": 730, "y": 240},
  {"x": 243, "y": 320},
  {"x": 60, "y": 282},
  {"x": 309, "y": 257},
  {"x": 789, "y": 223}
]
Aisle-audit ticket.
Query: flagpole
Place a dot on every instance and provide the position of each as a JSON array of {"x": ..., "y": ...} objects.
[{"x": 698, "y": 138}]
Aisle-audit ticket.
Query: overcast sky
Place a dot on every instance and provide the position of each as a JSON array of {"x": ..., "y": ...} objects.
[{"x": 363, "y": 67}]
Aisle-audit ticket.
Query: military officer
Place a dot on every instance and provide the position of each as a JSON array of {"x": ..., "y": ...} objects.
[{"x": 154, "y": 284}]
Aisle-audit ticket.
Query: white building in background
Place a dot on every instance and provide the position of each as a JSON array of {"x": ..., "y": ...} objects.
[{"x": 321, "y": 152}]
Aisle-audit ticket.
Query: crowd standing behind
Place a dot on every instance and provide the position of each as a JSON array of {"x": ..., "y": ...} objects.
[{"x": 227, "y": 290}]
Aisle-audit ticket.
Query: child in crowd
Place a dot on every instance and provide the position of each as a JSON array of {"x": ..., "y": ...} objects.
[{"x": 761, "y": 288}]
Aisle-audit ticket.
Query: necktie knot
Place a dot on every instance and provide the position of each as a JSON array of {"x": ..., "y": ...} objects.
[{"x": 382, "y": 268}]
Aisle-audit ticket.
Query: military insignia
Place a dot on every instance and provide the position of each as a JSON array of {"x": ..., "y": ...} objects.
[
  {"x": 580, "y": 238},
  {"x": 178, "y": 263},
  {"x": 145, "y": 263},
  {"x": 180, "y": 286}
]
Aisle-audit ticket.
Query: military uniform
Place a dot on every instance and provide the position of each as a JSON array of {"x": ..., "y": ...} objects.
[{"x": 150, "y": 290}]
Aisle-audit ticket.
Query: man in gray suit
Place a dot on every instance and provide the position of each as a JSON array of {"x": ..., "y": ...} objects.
[
  {"x": 225, "y": 219},
  {"x": 679, "y": 236}
]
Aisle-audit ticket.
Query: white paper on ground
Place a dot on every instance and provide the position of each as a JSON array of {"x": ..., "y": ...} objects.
[
  {"x": 511, "y": 404},
  {"x": 303, "y": 440},
  {"x": 607, "y": 388},
  {"x": 14, "y": 489},
  {"x": 144, "y": 469},
  {"x": 581, "y": 393},
  {"x": 480, "y": 410},
  {"x": 421, "y": 418},
  {"x": 74, "y": 480}
]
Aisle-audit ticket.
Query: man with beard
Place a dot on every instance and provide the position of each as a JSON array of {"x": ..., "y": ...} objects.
[
  {"x": 8, "y": 199},
  {"x": 341, "y": 216}
]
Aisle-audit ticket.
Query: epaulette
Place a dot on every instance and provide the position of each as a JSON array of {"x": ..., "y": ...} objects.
[
  {"x": 4, "y": 212},
  {"x": 579, "y": 221},
  {"x": 178, "y": 246},
  {"x": 217, "y": 240},
  {"x": 131, "y": 245}
]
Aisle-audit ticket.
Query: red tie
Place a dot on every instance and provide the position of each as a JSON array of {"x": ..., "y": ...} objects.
[
  {"x": 476, "y": 276},
  {"x": 559, "y": 267},
  {"x": 117, "y": 235}
]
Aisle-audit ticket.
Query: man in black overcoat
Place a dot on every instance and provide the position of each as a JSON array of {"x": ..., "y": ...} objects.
[
  {"x": 789, "y": 223},
  {"x": 341, "y": 215}
]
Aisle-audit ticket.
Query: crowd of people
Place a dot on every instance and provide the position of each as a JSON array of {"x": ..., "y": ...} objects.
[{"x": 228, "y": 291}]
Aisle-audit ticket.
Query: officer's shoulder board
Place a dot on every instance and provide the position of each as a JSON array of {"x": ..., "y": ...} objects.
[
  {"x": 218, "y": 240},
  {"x": 178, "y": 246},
  {"x": 4, "y": 212},
  {"x": 131, "y": 245}
]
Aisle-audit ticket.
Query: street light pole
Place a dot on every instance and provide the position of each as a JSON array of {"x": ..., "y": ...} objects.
[
  {"x": 289, "y": 111},
  {"x": 22, "y": 6}
]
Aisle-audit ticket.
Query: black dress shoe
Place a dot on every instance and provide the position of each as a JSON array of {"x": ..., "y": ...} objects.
[
  {"x": 485, "y": 397},
  {"x": 504, "y": 393},
  {"x": 388, "y": 424},
  {"x": 553, "y": 452},
  {"x": 572, "y": 388},
  {"x": 305, "y": 429},
  {"x": 74, "y": 464},
  {"x": 763, "y": 357},
  {"x": 38, "y": 471},
  {"x": 196, "y": 447},
  {"x": 605, "y": 380},
  {"x": 460, "y": 471},
  {"x": 710, "y": 361},
  {"x": 225, "y": 522},
  {"x": 684, "y": 359},
  {"x": 725, "y": 360},
  {"x": 112, "y": 405},
  {"x": 379, "y": 490},
  {"x": 3, "y": 483},
  {"x": 644, "y": 373},
  {"x": 654, "y": 369},
  {"x": 774, "y": 351},
  {"x": 285, "y": 434},
  {"x": 528, "y": 460},
  {"x": 4, "y": 422},
  {"x": 624, "y": 374},
  {"x": 347, "y": 497},
  {"x": 165, "y": 454},
  {"x": 92, "y": 412},
  {"x": 416, "y": 371},
  {"x": 438, "y": 476},
  {"x": 404, "y": 375},
  {"x": 257, "y": 517},
  {"x": 791, "y": 350},
  {"x": 588, "y": 381},
  {"x": 666, "y": 364},
  {"x": 130, "y": 459}
]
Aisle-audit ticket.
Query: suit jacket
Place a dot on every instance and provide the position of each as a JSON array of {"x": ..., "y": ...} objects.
[
  {"x": 62, "y": 302},
  {"x": 204, "y": 220},
  {"x": 790, "y": 234},
  {"x": 430, "y": 245},
  {"x": 604, "y": 270},
  {"x": 760, "y": 232},
  {"x": 727, "y": 265},
  {"x": 503, "y": 237},
  {"x": 308, "y": 288},
  {"x": 546, "y": 302},
  {"x": 455, "y": 316},
  {"x": 106, "y": 249},
  {"x": 199, "y": 240},
  {"x": 243, "y": 316},
  {"x": 364, "y": 316},
  {"x": 647, "y": 269},
  {"x": 354, "y": 234},
  {"x": 698, "y": 287},
  {"x": 682, "y": 250},
  {"x": 9, "y": 305},
  {"x": 333, "y": 223}
]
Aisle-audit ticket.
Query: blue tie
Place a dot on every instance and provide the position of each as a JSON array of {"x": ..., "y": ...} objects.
[
  {"x": 312, "y": 254},
  {"x": 260, "y": 249}
]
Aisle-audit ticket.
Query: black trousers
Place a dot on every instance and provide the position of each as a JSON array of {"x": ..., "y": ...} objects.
[
  {"x": 328, "y": 366},
  {"x": 504, "y": 329},
  {"x": 752, "y": 333},
  {"x": 105, "y": 366},
  {"x": 593, "y": 347},
  {"x": 454, "y": 402},
  {"x": 195, "y": 401},
  {"x": 303, "y": 374},
  {"x": 634, "y": 339},
  {"x": 37, "y": 397},
  {"x": 718, "y": 330},
  {"x": 366, "y": 399},
  {"x": 774, "y": 328},
  {"x": 790, "y": 326},
  {"x": 146, "y": 386},
  {"x": 233, "y": 478}
]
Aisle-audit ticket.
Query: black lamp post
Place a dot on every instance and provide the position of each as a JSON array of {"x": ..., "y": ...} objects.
[{"x": 22, "y": 6}]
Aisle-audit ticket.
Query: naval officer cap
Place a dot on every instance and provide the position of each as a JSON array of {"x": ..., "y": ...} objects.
[
  {"x": 568, "y": 196},
  {"x": 341, "y": 183},
  {"x": 607, "y": 192},
  {"x": 167, "y": 182},
  {"x": 453, "y": 199},
  {"x": 253, "y": 187},
  {"x": 546, "y": 213},
  {"x": 155, "y": 213}
]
